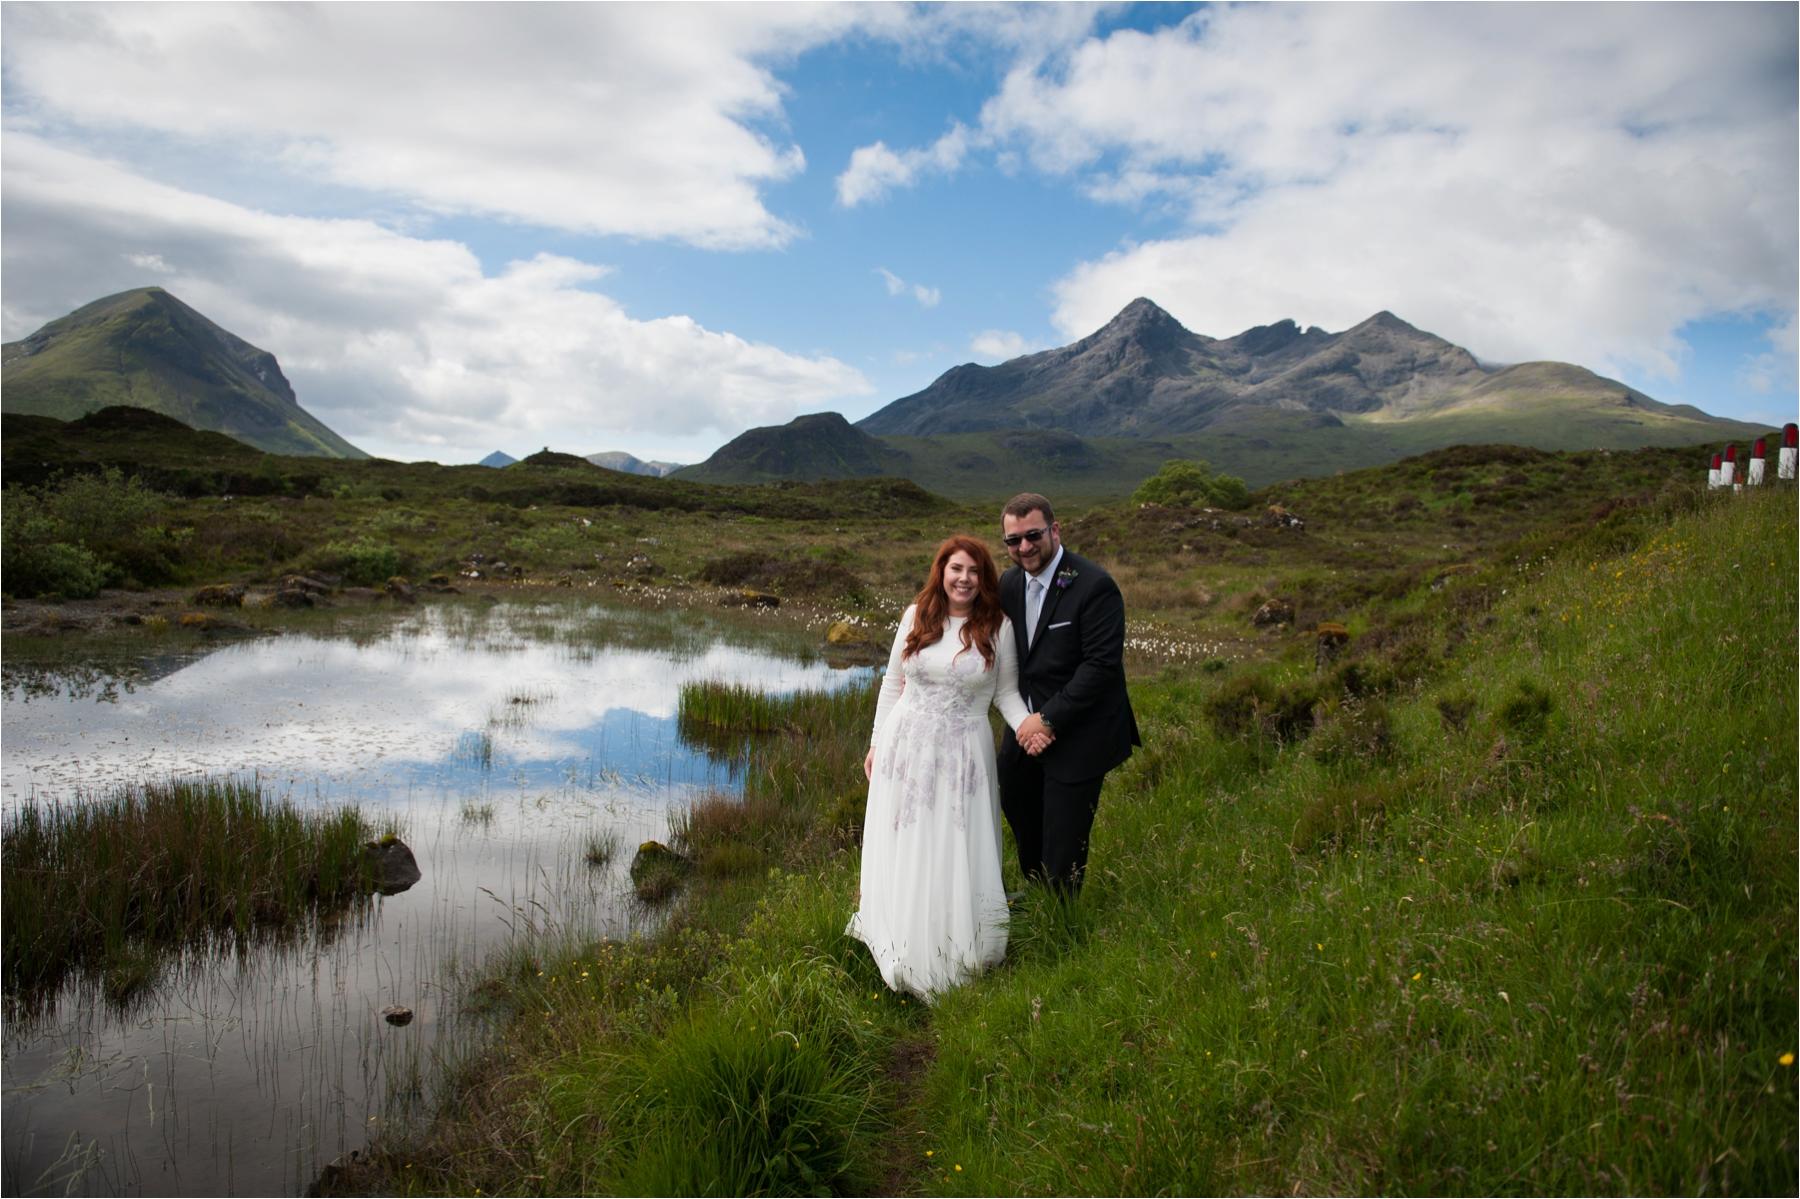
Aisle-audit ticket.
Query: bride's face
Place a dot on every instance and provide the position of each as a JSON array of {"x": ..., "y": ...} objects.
[{"x": 962, "y": 581}]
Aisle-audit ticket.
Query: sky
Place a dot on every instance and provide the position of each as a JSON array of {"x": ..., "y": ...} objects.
[{"x": 649, "y": 227}]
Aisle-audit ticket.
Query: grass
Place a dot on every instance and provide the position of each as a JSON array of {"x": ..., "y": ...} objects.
[
  {"x": 599, "y": 849},
  {"x": 103, "y": 888},
  {"x": 1526, "y": 929}
]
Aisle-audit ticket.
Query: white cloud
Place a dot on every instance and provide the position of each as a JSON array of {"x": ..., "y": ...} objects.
[
  {"x": 927, "y": 297},
  {"x": 1578, "y": 187},
  {"x": 1772, "y": 372},
  {"x": 403, "y": 345},
  {"x": 876, "y": 170},
  {"x": 639, "y": 119},
  {"x": 999, "y": 345}
]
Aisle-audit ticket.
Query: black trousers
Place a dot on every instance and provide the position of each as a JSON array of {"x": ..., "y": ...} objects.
[{"x": 1050, "y": 821}]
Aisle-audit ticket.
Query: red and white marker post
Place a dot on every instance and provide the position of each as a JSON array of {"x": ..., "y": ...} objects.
[
  {"x": 1790, "y": 450},
  {"x": 1758, "y": 452},
  {"x": 1728, "y": 468},
  {"x": 1712, "y": 476}
]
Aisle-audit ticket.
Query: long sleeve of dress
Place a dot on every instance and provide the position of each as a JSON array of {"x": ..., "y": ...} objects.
[
  {"x": 894, "y": 681},
  {"x": 1006, "y": 678}
]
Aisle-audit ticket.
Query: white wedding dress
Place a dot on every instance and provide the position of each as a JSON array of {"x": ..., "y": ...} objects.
[{"x": 933, "y": 907}]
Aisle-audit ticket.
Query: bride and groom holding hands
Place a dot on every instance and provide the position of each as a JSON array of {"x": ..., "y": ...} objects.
[{"x": 1045, "y": 644}]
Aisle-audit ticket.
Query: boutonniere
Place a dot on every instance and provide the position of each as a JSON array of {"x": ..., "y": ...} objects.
[{"x": 1065, "y": 576}]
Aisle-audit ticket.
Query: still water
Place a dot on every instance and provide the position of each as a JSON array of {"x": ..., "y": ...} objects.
[{"x": 502, "y": 738}]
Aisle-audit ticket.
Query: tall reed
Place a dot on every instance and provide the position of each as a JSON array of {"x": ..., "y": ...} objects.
[{"x": 98, "y": 886}]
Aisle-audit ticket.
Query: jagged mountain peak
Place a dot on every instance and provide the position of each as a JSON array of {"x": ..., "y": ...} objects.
[{"x": 1142, "y": 312}]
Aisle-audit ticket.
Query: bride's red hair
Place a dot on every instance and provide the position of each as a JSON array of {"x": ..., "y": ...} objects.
[{"x": 933, "y": 606}]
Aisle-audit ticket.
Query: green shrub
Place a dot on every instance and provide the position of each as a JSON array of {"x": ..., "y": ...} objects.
[
  {"x": 36, "y": 562},
  {"x": 363, "y": 562},
  {"x": 75, "y": 535},
  {"x": 1192, "y": 484}
]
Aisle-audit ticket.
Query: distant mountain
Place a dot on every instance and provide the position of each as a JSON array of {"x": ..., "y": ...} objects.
[
  {"x": 1145, "y": 375},
  {"x": 146, "y": 349},
  {"x": 821, "y": 446},
  {"x": 1092, "y": 419},
  {"x": 621, "y": 461},
  {"x": 497, "y": 458}
]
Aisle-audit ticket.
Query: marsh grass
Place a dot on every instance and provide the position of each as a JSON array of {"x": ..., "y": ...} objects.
[
  {"x": 725, "y": 718},
  {"x": 476, "y": 812},
  {"x": 475, "y": 750},
  {"x": 600, "y": 848},
  {"x": 1548, "y": 952},
  {"x": 101, "y": 888}
]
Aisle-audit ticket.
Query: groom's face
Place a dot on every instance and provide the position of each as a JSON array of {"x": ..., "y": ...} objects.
[{"x": 1017, "y": 533}]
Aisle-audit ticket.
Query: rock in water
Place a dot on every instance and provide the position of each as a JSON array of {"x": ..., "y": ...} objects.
[
  {"x": 395, "y": 868},
  {"x": 657, "y": 870},
  {"x": 397, "y": 1014}
]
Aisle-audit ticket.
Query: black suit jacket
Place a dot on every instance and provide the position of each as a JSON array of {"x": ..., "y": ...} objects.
[{"x": 1074, "y": 670}]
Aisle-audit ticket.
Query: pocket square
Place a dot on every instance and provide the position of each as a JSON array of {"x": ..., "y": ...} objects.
[{"x": 1061, "y": 624}]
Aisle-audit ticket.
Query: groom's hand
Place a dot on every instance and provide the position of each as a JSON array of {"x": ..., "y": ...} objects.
[{"x": 1032, "y": 734}]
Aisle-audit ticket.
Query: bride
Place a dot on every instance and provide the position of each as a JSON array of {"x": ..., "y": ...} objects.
[{"x": 932, "y": 905}]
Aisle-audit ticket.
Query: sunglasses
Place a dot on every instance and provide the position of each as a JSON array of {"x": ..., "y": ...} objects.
[{"x": 1031, "y": 535}]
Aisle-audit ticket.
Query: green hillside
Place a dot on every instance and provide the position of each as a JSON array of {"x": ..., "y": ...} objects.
[
  {"x": 146, "y": 349},
  {"x": 1269, "y": 446}
]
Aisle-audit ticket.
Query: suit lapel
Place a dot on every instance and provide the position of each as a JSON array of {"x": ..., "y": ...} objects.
[{"x": 1012, "y": 602}]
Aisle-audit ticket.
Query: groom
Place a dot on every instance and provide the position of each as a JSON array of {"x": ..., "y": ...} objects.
[{"x": 1069, "y": 621}]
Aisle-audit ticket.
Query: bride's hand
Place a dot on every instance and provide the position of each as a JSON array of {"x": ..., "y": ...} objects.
[{"x": 869, "y": 764}]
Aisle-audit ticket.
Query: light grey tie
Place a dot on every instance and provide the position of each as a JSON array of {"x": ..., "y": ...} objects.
[{"x": 1034, "y": 604}]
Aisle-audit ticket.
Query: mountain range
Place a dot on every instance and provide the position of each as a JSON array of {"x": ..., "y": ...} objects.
[
  {"x": 1085, "y": 420},
  {"x": 1271, "y": 402},
  {"x": 147, "y": 349},
  {"x": 621, "y": 461}
]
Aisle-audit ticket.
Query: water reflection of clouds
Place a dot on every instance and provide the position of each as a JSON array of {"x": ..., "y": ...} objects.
[{"x": 305, "y": 707}]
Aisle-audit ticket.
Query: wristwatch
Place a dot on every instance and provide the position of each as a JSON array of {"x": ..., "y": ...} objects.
[{"x": 1045, "y": 721}]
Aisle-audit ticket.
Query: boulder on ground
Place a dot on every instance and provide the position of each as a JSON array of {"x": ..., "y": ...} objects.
[
  {"x": 220, "y": 595},
  {"x": 394, "y": 867},
  {"x": 292, "y": 597},
  {"x": 1282, "y": 518},
  {"x": 842, "y": 632},
  {"x": 1275, "y": 611}
]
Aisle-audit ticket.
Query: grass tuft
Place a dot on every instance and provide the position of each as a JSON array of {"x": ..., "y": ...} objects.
[{"x": 103, "y": 887}]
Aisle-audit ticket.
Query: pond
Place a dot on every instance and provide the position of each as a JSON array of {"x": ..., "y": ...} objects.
[{"x": 502, "y": 737}]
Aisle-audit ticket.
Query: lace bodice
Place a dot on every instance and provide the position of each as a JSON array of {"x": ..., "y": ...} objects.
[
  {"x": 931, "y": 733},
  {"x": 946, "y": 683}
]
